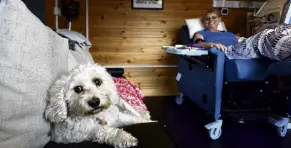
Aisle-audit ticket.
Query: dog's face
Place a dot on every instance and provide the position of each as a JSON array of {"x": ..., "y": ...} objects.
[{"x": 88, "y": 91}]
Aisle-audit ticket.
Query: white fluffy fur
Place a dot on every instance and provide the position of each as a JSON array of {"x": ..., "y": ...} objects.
[{"x": 75, "y": 121}]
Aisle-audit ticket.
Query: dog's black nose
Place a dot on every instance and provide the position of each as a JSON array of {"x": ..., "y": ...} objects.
[{"x": 94, "y": 102}]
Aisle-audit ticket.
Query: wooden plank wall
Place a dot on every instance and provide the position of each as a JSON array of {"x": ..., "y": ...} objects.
[{"x": 124, "y": 36}]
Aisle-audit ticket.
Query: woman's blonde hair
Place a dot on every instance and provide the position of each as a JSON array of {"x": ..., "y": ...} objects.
[{"x": 210, "y": 11}]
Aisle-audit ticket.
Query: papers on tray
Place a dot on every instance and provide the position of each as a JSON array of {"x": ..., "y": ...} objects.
[{"x": 183, "y": 50}]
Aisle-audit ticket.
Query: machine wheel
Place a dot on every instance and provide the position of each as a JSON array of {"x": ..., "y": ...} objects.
[
  {"x": 282, "y": 131},
  {"x": 214, "y": 133},
  {"x": 179, "y": 100}
]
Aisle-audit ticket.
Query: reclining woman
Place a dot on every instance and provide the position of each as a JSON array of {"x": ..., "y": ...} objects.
[{"x": 270, "y": 43}]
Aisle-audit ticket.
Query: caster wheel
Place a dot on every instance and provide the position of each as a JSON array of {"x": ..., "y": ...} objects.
[
  {"x": 214, "y": 133},
  {"x": 282, "y": 131},
  {"x": 179, "y": 100}
]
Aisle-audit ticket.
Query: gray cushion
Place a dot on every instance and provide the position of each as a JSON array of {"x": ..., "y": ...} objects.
[{"x": 31, "y": 57}]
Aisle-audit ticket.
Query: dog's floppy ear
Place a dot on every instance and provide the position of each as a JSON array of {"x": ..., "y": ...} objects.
[
  {"x": 111, "y": 88},
  {"x": 56, "y": 108},
  {"x": 115, "y": 99}
]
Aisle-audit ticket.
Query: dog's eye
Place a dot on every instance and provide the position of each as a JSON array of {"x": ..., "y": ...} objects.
[
  {"x": 97, "y": 82},
  {"x": 78, "y": 89}
]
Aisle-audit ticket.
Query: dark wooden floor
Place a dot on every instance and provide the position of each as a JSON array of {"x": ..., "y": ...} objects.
[{"x": 185, "y": 126}]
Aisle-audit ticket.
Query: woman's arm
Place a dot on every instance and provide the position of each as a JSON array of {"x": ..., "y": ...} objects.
[
  {"x": 237, "y": 36},
  {"x": 200, "y": 40}
]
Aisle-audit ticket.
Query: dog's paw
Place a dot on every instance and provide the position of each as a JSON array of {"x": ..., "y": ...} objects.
[
  {"x": 148, "y": 121},
  {"x": 151, "y": 121},
  {"x": 146, "y": 115},
  {"x": 125, "y": 140}
]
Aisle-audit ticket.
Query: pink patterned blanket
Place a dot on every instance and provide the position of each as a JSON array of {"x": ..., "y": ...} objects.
[{"x": 130, "y": 93}]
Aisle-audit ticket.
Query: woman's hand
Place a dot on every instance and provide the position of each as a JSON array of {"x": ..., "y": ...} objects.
[{"x": 219, "y": 46}]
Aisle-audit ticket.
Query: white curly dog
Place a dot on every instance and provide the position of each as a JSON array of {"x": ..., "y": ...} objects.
[{"x": 84, "y": 105}]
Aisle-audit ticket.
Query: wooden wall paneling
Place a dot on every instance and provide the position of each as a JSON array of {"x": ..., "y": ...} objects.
[
  {"x": 153, "y": 80},
  {"x": 127, "y": 49},
  {"x": 135, "y": 32},
  {"x": 121, "y": 35},
  {"x": 134, "y": 59}
]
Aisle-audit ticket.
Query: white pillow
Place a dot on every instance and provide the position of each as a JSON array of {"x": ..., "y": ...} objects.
[
  {"x": 32, "y": 56},
  {"x": 195, "y": 24},
  {"x": 76, "y": 36},
  {"x": 80, "y": 54}
]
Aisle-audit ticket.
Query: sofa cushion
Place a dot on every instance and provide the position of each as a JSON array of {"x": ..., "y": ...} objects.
[
  {"x": 247, "y": 70},
  {"x": 32, "y": 56}
]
